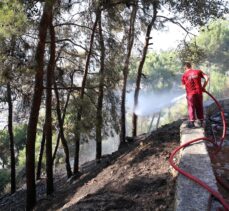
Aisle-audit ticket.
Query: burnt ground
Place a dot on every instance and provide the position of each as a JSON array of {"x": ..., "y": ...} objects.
[
  {"x": 137, "y": 177},
  {"x": 220, "y": 160}
]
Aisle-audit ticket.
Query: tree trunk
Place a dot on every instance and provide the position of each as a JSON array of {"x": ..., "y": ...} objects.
[
  {"x": 35, "y": 107},
  {"x": 61, "y": 133},
  {"x": 41, "y": 154},
  {"x": 77, "y": 149},
  {"x": 63, "y": 115},
  {"x": 151, "y": 123},
  {"x": 48, "y": 116},
  {"x": 140, "y": 67},
  {"x": 11, "y": 137},
  {"x": 62, "y": 120},
  {"x": 56, "y": 147},
  {"x": 158, "y": 120},
  {"x": 99, "y": 118},
  {"x": 126, "y": 73},
  {"x": 79, "y": 113}
]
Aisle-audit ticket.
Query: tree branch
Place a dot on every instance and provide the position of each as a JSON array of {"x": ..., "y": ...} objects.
[
  {"x": 72, "y": 24},
  {"x": 177, "y": 23},
  {"x": 69, "y": 40}
]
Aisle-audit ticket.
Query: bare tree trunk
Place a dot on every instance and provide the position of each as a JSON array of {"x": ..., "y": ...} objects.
[
  {"x": 126, "y": 73},
  {"x": 63, "y": 116},
  {"x": 151, "y": 123},
  {"x": 76, "y": 156},
  {"x": 140, "y": 67},
  {"x": 41, "y": 154},
  {"x": 62, "y": 119},
  {"x": 48, "y": 116},
  {"x": 11, "y": 136},
  {"x": 56, "y": 147},
  {"x": 35, "y": 107},
  {"x": 99, "y": 118},
  {"x": 61, "y": 133},
  {"x": 82, "y": 92},
  {"x": 158, "y": 120}
]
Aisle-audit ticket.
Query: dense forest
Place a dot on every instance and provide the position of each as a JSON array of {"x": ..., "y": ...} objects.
[{"x": 66, "y": 68}]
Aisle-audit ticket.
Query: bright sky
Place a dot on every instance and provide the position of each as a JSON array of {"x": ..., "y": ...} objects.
[
  {"x": 167, "y": 39},
  {"x": 170, "y": 38}
]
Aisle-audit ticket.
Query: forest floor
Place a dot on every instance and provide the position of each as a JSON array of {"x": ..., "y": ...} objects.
[{"x": 137, "y": 177}]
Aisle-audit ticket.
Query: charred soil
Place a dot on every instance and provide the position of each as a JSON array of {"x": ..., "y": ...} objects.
[{"x": 137, "y": 177}]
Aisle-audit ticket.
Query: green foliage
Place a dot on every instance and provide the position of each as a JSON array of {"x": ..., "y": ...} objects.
[
  {"x": 19, "y": 139},
  {"x": 209, "y": 52},
  {"x": 191, "y": 52},
  {"x": 211, "y": 47},
  {"x": 218, "y": 82},
  {"x": 87, "y": 123},
  {"x": 199, "y": 12},
  {"x": 4, "y": 179},
  {"x": 176, "y": 111},
  {"x": 22, "y": 153},
  {"x": 20, "y": 136},
  {"x": 22, "y": 157},
  {"x": 12, "y": 18},
  {"x": 161, "y": 70},
  {"x": 214, "y": 40},
  {"x": 4, "y": 147}
]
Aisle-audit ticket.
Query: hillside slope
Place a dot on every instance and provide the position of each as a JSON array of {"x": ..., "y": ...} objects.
[{"x": 137, "y": 177}]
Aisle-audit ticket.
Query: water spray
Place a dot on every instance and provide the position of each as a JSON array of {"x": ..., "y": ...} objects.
[{"x": 151, "y": 104}]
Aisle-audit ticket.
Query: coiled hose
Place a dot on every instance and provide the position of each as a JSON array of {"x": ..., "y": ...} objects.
[{"x": 216, "y": 194}]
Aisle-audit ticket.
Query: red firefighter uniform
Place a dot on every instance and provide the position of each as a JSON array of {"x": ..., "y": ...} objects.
[{"x": 192, "y": 81}]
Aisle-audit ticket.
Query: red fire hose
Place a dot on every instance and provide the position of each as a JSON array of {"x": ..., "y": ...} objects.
[{"x": 218, "y": 147}]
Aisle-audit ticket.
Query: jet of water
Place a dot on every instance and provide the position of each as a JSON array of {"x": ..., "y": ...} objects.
[{"x": 150, "y": 103}]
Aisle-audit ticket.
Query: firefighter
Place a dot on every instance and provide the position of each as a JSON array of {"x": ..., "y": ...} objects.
[{"x": 191, "y": 79}]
